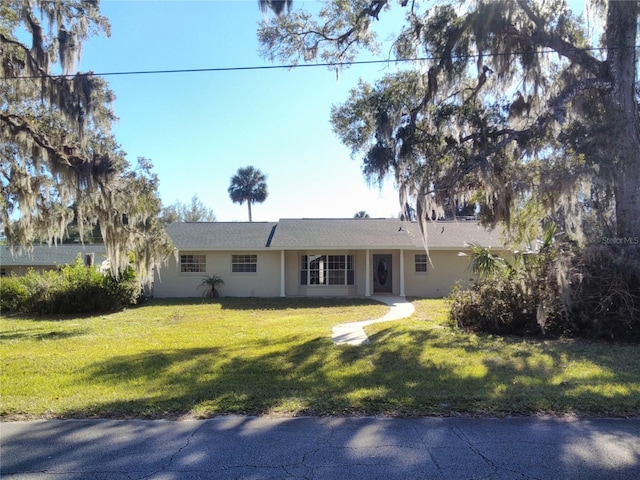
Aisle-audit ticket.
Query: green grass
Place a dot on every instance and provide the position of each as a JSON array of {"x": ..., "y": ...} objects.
[{"x": 275, "y": 357}]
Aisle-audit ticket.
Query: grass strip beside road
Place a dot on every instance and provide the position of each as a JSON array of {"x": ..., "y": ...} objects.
[{"x": 183, "y": 358}]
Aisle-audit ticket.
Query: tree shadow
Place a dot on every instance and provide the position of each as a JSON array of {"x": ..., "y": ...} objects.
[
  {"x": 270, "y": 303},
  {"x": 279, "y": 303},
  {"x": 397, "y": 377},
  {"x": 54, "y": 317},
  {"x": 33, "y": 334},
  {"x": 504, "y": 375},
  {"x": 336, "y": 447},
  {"x": 402, "y": 373},
  {"x": 197, "y": 382}
]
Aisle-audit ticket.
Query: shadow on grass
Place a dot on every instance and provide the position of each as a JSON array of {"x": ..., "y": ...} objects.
[
  {"x": 54, "y": 317},
  {"x": 226, "y": 303},
  {"x": 406, "y": 371},
  {"x": 200, "y": 382},
  {"x": 260, "y": 303},
  {"x": 509, "y": 375},
  {"x": 401, "y": 373},
  {"x": 34, "y": 334}
]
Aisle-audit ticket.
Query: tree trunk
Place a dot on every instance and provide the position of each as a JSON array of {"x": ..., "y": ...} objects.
[
  {"x": 622, "y": 25},
  {"x": 249, "y": 205}
]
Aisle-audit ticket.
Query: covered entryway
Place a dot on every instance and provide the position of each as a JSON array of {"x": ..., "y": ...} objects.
[{"x": 382, "y": 274}]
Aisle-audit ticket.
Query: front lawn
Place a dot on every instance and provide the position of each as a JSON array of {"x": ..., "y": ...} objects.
[{"x": 275, "y": 357}]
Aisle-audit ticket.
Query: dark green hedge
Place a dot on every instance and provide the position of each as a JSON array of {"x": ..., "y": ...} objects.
[
  {"x": 600, "y": 297},
  {"x": 71, "y": 289}
]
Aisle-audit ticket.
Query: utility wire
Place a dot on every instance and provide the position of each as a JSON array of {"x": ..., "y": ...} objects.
[{"x": 296, "y": 65}]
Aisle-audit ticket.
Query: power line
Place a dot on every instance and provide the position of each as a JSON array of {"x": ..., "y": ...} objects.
[{"x": 304, "y": 65}]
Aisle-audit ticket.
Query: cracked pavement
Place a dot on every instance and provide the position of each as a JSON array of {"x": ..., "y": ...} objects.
[{"x": 240, "y": 447}]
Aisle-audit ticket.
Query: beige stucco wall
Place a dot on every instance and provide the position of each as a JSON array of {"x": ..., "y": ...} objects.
[
  {"x": 445, "y": 269},
  {"x": 264, "y": 283}
]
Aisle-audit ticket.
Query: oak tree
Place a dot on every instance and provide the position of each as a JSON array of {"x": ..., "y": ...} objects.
[
  {"x": 503, "y": 102},
  {"x": 59, "y": 162}
]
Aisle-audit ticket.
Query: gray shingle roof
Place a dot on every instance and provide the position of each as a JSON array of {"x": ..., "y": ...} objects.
[
  {"x": 303, "y": 234},
  {"x": 50, "y": 255},
  {"x": 378, "y": 233},
  {"x": 221, "y": 235},
  {"x": 458, "y": 234},
  {"x": 344, "y": 233}
]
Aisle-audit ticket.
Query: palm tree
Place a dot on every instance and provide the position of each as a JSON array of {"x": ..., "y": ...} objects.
[
  {"x": 485, "y": 264},
  {"x": 361, "y": 214},
  {"x": 248, "y": 185},
  {"x": 211, "y": 285}
]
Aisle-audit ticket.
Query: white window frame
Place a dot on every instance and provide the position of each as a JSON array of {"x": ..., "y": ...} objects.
[
  {"x": 326, "y": 273},
  {"x": 193, "y": 263},
  {"x": 421, "y": 261},
  {"x": 242, "y": 261}
]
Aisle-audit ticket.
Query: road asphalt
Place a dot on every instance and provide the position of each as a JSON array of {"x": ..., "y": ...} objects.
[{"x": 240, "y": 447}]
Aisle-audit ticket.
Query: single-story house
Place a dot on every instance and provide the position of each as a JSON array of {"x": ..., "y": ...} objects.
[
  {"x": 321, "y": 257},
  {"x": 45, "y": 257}
]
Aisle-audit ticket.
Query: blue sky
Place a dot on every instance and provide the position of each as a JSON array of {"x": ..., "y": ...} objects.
[{"x": 199, "y": 128}]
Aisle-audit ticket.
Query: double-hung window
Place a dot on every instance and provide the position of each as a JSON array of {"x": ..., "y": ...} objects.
[
  {"x": 326, "y": 270},
  {"x": 421, "y": 263},
  {"x": 244, "y": 263},
  {"x": 193, "y": 263}
]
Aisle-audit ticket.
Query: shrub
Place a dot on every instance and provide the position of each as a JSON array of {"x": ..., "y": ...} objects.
[
  {"x": 517, "y": 297},
  {"x": 605, "y": 298},
  {"x": 592, "y": 292},
  {"x": 121, "y": 292},
  {"x": 78, "y": 290},
  {"x": 71, "y": 289},
  {"x": 499, "y": 307},
  {"x": 13, "y": 294},
  {"x": 41, "y": 287}
]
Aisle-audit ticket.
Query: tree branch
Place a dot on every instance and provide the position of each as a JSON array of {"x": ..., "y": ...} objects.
[
  {"x": 434, "y": 71},
  {"x": 556, "y": 112},
  {"x": 58, "y": 85},
  {"x": 559, "y": 104},
  {"x": 18, "y": 124},
  {"x": 33, "y": 65},
  {"x": 544, "y": 38}
]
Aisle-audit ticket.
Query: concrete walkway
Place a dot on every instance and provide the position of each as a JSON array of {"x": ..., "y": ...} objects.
[{"x": 353, "y": 333}]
